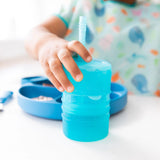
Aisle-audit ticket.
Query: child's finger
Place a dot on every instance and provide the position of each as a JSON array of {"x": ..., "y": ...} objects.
[
  {"x": 56, "y": 68},
  {"x": 76, "y": 46},
  {"x": 53, "y": 79},
  {"x": 68, "y": 62}
]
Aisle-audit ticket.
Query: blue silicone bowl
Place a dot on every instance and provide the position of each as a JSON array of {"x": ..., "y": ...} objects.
[
  {"x": 118, "y": 98},
  {"x": 52, "y": 109}
]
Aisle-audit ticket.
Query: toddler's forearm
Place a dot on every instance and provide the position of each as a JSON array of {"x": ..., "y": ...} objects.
[{"x": 51, "y": 30}]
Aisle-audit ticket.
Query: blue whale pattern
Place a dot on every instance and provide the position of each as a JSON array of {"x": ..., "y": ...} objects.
[
  {"x": 140, "y": 82},
  {"x": 136, "y": 36}
]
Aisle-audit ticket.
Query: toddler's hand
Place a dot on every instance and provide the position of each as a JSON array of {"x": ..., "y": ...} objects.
[{"x": 55, "y": 53}]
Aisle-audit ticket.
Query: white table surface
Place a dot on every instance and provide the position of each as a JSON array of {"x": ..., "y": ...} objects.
[{"x": 134, "y": 133}]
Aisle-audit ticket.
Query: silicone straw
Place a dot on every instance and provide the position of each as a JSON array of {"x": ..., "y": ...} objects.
[{"x": 82, "y": 30}]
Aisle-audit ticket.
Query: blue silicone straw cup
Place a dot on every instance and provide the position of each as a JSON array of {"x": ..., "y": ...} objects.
[{"x": 86, "y": 111}]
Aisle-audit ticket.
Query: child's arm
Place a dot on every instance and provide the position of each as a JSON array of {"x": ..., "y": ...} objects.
[{"x": 45, "y": 43}]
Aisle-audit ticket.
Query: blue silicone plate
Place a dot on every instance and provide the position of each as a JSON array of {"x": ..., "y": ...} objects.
[{"x": 33, "y": 87}]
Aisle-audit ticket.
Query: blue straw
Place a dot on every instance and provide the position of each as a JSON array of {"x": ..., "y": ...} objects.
[{"x": 82, "y": 30}]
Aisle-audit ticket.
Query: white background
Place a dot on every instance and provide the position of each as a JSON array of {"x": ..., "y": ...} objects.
[{"x": 18, "y": 16}]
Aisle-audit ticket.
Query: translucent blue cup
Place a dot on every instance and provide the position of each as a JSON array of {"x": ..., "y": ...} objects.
[
  {"x": 86, "y": 110},
  {"x": 85, "y": 128}
]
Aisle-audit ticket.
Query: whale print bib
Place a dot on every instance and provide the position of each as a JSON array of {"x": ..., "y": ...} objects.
[{"x": 127, "y": 36}]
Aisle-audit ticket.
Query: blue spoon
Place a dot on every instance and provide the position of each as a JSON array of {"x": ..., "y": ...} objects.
[{"x": 4, "y": 96}]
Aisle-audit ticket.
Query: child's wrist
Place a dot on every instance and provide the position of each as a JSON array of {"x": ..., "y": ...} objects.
[{"x": 44, "y": 40}]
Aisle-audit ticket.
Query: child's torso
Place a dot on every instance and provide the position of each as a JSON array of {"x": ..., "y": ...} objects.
[{"x": 128, "y": 37}]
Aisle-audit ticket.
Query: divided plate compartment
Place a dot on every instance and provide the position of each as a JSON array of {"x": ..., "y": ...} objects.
[{"x": 46, "y": 109}]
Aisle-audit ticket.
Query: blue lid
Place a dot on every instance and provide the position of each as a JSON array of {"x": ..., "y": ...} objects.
[{"x": 96, "y": 78}]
